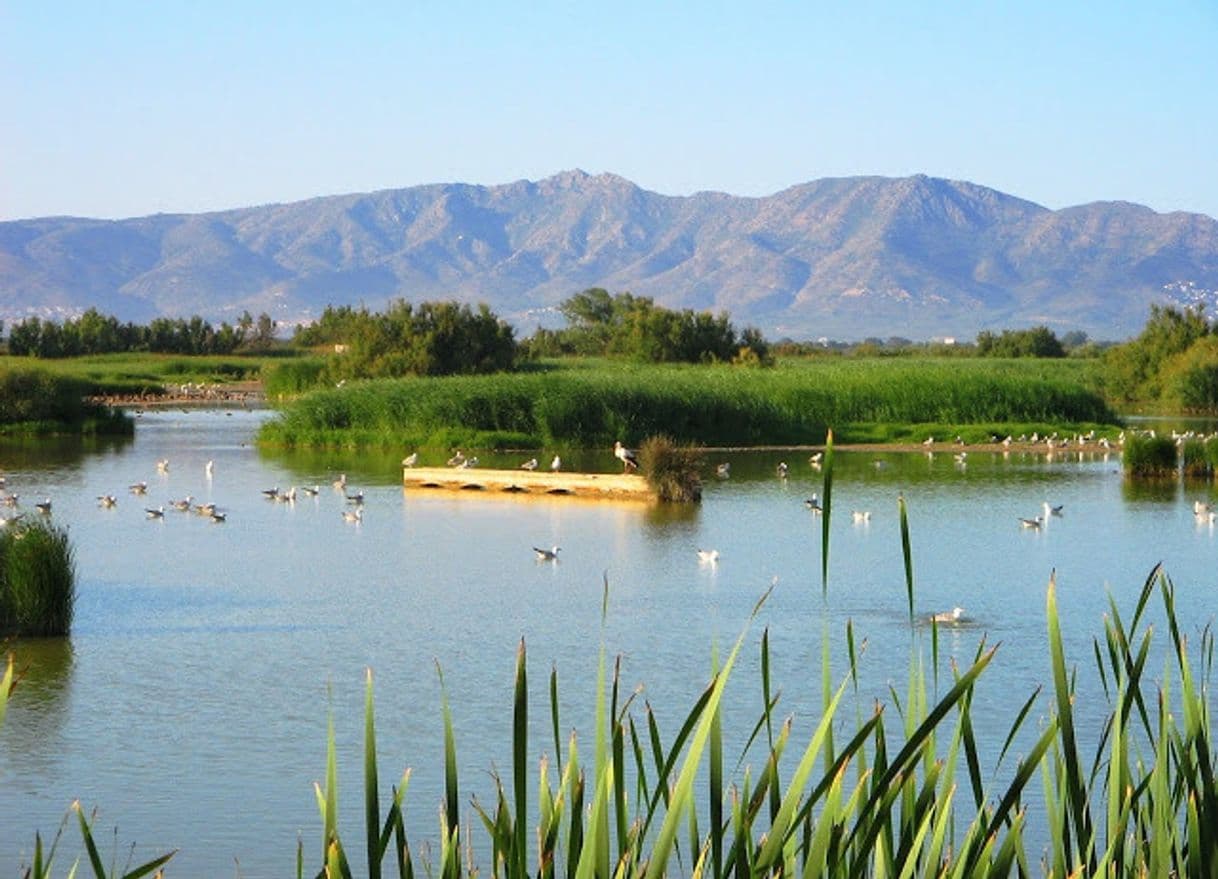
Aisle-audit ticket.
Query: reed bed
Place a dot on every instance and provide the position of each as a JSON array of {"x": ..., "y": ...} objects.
[
  {"x": 673, "y": 470},
  {"x": 1196, "y": 459},
  {"x": 40, "y": 401},
  {"x": 585, "y": 405},
  {"x": 1148, "y": 456},
  {"x": 37, "y": 580},
  {"x": 896, "y": 791}
]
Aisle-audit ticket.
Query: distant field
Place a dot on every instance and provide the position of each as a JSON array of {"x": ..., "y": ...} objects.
[
  {"x": 584, "y": 403},
  {"x": 122, "y": 374}
]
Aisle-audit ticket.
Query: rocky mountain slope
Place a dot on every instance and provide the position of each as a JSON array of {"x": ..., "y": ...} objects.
[{"x": 845, "y": 258}]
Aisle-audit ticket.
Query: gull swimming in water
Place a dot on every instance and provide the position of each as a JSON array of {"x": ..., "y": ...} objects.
[
  {"x": 271, "y": 493},
  {"x": 311, "y": 491},
  {"x": 948, "y": 616},
  {"x": 340, "y": 484},
  {"x": 357, "y": 498},
  {"x": 708, "y": 556},
  {"x": 106, "y": 500},
  {"x": 1051, "y": 510},
  {"x": 860, "y": 516},
  {"x": 183, "y": 505},
  {"x": 816, "y": 458},
  {"x": 1033, "y": 524},
  {"x": 546, "y": 555},
  {"x": 356, "y": 515},
  {"x": 209, "y": 469},
  {"x": 157, "y": 513},
  {"x": 724, "y": 470},
  {"x": 1200, "y": 507},
  {"x": 628, "y": 457},
  {"x": 813, "y": 503},
  {"x": 44, "y": 507},
  {"x": 138, "y": 488},
  {"x": 162, "y": 465},
  {"x": 782, "y": 469}
]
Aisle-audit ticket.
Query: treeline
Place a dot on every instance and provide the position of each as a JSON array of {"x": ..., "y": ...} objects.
[
  {"x": 1173, "y": 362},
  {"x": 97, "y": 333},
  {"x": 432, "y": 338},
  {"x": 624, "y": 325}
]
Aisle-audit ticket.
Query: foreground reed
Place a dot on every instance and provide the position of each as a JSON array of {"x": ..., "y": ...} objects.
[{"x": 896, "y": 795}]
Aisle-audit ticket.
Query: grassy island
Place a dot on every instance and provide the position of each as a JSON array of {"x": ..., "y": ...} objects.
[
  {"x": 38, "y": 402},
  {"x": 592, "y": 402}
]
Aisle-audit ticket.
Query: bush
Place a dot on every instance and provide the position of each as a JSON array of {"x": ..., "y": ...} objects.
[
  {"x": 37, "y": 580},
  {"x": 1148, "y": 455},
  {"x": 673, "y": 471},
  {"x": 1194, "y": 458}
]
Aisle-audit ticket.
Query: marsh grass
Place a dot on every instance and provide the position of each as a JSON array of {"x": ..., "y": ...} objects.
[
  {"x": 1149, "y": 456},
  {"x": 37, "y": 402},
  {"x": 673, "y": 470},
  {"x": 37, "y": 580},
  {"x": 588, "y": 404},
  {"x": 1195, "y": 459}
]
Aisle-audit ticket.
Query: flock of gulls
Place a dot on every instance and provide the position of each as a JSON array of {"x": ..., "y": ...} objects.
[{"x": 1203, "y": 511}]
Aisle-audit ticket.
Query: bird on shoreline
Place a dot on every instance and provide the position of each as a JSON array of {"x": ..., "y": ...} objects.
[
  {"x": 411, "y": 459},
  {"x": 530, "y": 464},
  {"x": 556, "y": 464},
  {"x": 456, "y": 460},
  {"x": 546, "y": 555},
  {"x": 628, "y": 457}
]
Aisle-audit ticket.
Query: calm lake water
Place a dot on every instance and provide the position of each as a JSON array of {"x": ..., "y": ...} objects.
[{"x": 190, "y": 703}]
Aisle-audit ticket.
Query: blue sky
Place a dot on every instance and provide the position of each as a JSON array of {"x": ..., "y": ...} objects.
[{"x": 124, "y": 109}]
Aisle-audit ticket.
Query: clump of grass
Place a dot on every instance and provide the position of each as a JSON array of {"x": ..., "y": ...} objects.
[
  {"x": 673, "y": 470},
  {"x": 37, "y": 580},
  {"x": 37, "y": 401},
  {"x": 1194, "y": 458},
  {"x": 1149, "y": 456}
]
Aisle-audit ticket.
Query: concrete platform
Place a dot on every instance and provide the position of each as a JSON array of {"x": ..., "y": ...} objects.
[{"x": 607, "y": 486}]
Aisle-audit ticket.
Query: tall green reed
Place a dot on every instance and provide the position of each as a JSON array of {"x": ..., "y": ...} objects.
[{"x": 37, "y": 580}]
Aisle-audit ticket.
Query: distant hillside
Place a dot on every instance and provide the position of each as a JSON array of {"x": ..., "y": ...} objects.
[{"x": 846, "y": 258}]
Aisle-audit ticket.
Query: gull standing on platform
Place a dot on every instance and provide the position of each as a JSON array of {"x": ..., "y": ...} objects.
[{"x": 630, "y": 460}]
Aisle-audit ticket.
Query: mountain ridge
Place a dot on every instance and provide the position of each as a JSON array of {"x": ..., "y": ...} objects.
[{"x": 844, "y": 257}]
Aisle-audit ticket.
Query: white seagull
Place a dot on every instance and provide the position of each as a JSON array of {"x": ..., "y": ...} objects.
[
  {"x": 860, "y": 516},
  {"x": 456, "y": 460},
  {"x": 138, "y": 488},
  {"x": 1051, "y": 510},
  {"x": 530, "y": 464},
  {"x": 556, "y": 464},
  {"x": 1033, "y": 524},
  {"x": 630, "y": 460},
  {"x": 724, "y": 470},
  {"x": 782, "y": 469},
  {"x": 356, "y": 515},
  {"x": 209, "y": 469},
  {"x": 106, "y": 500},
  {"x": 708, "y": 556},
  {"x": 158, "y": 513},
  {"x": 411, "y": 459},
  {"x": 546, "y": 555},
  {"x": 44, "y": 507}
]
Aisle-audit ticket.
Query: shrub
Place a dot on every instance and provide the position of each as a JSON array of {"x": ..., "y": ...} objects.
[
  {"x": 1149, "y": 455},
  {"x": 37, "y": 580},
  {"x": 674, "y": 471}
]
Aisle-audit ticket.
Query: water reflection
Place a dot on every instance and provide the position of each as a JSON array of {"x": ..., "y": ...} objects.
[{"x": 37, "y": 710}]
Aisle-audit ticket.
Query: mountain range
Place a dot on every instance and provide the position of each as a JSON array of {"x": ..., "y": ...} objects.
[{"x": 844, "y": 258}]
